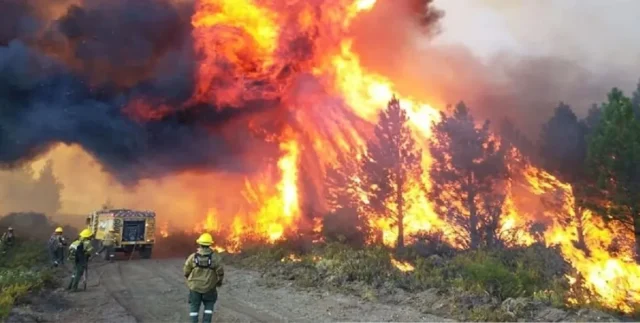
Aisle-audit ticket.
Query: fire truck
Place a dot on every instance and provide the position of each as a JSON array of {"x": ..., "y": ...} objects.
[{"x": 134, "y": 230}]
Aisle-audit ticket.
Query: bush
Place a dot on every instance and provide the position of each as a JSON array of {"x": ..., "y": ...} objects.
[
  {"x": 371, "y": 265},
  {"x": 431, "y": 243},
  {"x": 474, "y": 281},
  {"x": 345, "y": 226},
  {"x": 508, "y": 273},
  {"x": 483, "y": 272},
  {"x": 23, "y": 269}
]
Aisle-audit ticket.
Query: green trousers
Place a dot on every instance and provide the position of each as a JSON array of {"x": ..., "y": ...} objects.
[
  {"x": 196, "y": 299},
  {"x": 77, "y": 275}
]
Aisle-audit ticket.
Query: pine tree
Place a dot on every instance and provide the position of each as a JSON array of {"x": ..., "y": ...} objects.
[
  {"x": 614, "y": 158},
  {"x": 392, "y": 165},
  {"x": 47, "y": 188},
  {"x": 564, "y": 151},
  {"x": 468, "y": 177},
  {"x": 635, "y": 100}
]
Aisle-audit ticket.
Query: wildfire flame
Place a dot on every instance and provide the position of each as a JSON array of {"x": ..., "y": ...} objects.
[
  {"x": 291, "y": 258},
  {"x": 249, "y": 36},
  {"x": 402, "y": 265}
]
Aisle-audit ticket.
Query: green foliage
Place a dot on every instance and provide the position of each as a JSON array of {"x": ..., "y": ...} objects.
[
  {"x": 614, "y": 159},
  {"x": 505, "y": 274},
  {"x": 483, "y": 272},
  {"x": 467, "y": 176},
  {"x": 22, "y": 271},
  {"x": 563, "y": 144},
  {"x": 430, "y": 274},
  {"x": 371, "y": 265}
]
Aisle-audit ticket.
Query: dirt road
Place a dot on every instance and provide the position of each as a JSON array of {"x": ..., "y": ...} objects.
[{"x": 154, "y": 291}]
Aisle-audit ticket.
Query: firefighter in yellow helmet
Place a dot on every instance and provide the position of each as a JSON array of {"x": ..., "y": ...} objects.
[
  {"x": 108, "y": 243},
  {"x": 57, "y": 243},
  {"x": 80, "y": 251},
  {"x": 204, "y": 272}
]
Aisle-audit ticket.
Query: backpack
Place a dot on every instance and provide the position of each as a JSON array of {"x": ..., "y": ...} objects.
[
  {"x": 200, "y": 264},
  {"x": 76, "y": 252}
]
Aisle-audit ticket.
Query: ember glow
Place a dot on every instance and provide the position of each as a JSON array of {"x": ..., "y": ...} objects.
[
  {"x": 298, "y": 58},
  {"x": 402, "y": 265}
]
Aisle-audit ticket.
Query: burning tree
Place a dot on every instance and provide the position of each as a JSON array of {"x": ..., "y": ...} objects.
[
  {"x": 614, "y": 158},
  {"x": 468, "y": 177},
  {"x": 342, "y": 193},
  {"x": 564, "y": 149},
  {"x": 392, "y": 166}
]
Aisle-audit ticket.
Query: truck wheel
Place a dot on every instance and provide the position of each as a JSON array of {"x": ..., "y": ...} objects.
[{"x": 145, "y": 253}]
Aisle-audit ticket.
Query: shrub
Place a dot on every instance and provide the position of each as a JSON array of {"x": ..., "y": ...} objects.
[
  {"x": 483, "y": 272},
  {"x": 371, "y": 265},
  {"x": 345, "y": 226},
  {"x": 23, "y": 269},
  {"x": 508, "y": 273},
  {"x": 431, "y": 243}
]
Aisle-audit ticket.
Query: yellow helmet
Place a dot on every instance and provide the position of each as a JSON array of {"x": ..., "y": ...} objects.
[
  {"x": 58, "y": 230},
  {"x": 86, "y": 233},
  {"x": 205, "y": 240}
]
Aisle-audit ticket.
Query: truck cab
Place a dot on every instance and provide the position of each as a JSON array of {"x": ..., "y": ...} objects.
[{"x": 134, "y": 230}]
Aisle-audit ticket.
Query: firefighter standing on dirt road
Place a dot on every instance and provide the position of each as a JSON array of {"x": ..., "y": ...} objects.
[
  {"x": 204, "y": 272},
  {"x": 107, "y": 245},
  {"x": 57, "y": 243},
  {"x": 80, "y": 251}
]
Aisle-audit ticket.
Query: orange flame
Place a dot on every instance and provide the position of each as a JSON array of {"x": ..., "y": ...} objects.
[
  {"x": 248, "y": 35},
  {"x": 402, "y": 265}
]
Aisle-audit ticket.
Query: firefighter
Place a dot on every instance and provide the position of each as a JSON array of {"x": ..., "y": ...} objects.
[
  {"x": 204, "y": 273},
  {"x": 57, "y": 243},
  {"x": 107, "y": 245},
  {"x": 7, "y": 240},
  {"x": 80, "y": 251}
]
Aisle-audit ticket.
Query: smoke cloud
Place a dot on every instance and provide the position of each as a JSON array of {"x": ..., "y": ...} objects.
[
  {"x": 115, "y": 77},
  {"x": 75, "y": 76},
  {"x": 557, "y": 57}
]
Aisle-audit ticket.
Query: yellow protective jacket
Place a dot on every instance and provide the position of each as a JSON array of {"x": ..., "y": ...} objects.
[
  {"x": 109, "y": 239},
  {"x": 88, "y": 250},
  {"x": 203, "y": 270}
]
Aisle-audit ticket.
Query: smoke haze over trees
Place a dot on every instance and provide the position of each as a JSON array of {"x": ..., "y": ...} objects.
[{"x": 21, "y": 192}]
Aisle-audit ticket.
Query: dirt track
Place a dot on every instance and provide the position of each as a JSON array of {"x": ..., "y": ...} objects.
[{"x": 154, "y": 291}]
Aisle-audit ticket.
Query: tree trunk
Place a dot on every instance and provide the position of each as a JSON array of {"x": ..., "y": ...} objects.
[
  {"x": 474, "y": 235},
  {"x": 636, "y": 231},
  {"x": 400, "y": 219},
  {"x": 582, "y": 244}
]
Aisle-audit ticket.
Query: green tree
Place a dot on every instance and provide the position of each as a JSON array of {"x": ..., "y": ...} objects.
[
  {"x": 635, "y": 100},
  {"x": 614, "y": 158},
  {"x": 592, "y": 119},
  {"x": 563, "y": 148},
  {"x": 468, "y": 176},
  {"x": 392, "y": 165}
]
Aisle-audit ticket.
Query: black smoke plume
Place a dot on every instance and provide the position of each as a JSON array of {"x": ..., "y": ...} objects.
[{"x": 70, "y": 78}]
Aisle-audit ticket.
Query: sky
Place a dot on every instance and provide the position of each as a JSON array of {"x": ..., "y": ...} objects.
[{"x": 600, "y": 34}]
